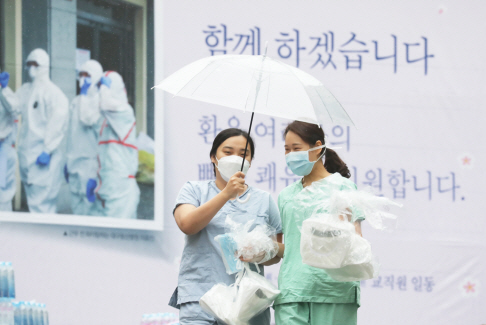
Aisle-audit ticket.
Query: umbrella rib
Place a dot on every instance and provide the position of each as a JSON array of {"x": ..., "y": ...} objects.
[
  {"x": 197, "y": 74},
  {"x": 249, "y": 90},
  {"x": 332, "y": 120},
  {"x": 300, "y": 82},
  {"x": 319, "y": 96},
  {"x": 344, "y": 110}
]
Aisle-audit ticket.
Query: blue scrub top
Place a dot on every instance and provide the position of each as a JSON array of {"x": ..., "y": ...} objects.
[{"x": 202, "y": 265}]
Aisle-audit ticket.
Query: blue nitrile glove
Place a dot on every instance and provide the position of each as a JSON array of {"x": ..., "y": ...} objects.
[
  {"x": 105, "y": 81},
  {"x": 43, "y": 159},
  {"x": 85, "y": 86},
  {"x": 4, "y": 78},
  {"x": 90, "y": 188},
  {"x": 66, "y": 173}
]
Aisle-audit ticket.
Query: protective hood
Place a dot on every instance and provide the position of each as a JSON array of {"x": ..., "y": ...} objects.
[
  {"x": 42, "y": 58},
  {"x": 115, "y": 107},
  {"x": 117, "y": 87},
  {"x": 94, "y": 69}
]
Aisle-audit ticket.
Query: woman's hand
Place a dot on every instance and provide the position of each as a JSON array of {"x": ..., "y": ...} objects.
[
  {"x": 235, "y": 185},
  {"x": 248, "y": 254},
  {"x": 255, "y": 259}
]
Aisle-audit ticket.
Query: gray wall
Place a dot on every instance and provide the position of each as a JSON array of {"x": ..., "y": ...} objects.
[
  {"x": 63, "y": 45},
  {"x": 150, "y": 68},
  {"x": 51, "y": 25}
]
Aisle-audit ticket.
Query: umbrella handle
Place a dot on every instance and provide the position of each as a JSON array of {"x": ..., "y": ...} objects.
[{"x": 245, "y": 200}]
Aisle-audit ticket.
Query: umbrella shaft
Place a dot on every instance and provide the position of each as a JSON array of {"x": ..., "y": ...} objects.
[{"x": 247, "y": 139}]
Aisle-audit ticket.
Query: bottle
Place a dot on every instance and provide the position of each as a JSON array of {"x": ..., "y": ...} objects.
[
  {"x": 3, "y": 281},
  {"x": 17, "y": 318},
  {"x": 10, "y": 280},
  {"x": 46, "y": 315}
]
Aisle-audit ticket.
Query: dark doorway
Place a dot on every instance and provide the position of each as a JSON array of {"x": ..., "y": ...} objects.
[{"x": 106, "y": 28}]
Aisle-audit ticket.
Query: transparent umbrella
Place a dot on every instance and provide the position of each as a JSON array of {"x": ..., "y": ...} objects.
[{"x": 257, "y": 84}]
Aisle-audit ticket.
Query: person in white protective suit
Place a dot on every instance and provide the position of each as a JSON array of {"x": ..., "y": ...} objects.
[
  {"x": 117, "y": 189},
  {"x": 45, "y": 113},
  {"x": 8, "y": 156},
  {"x": 82, "y": 150}
]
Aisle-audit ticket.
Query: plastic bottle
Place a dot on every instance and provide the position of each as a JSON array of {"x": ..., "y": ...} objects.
[
  {"x": 3, "y": 280},
  {"x": 46, "y": 315},
  {"x": 10, "y": 280}
]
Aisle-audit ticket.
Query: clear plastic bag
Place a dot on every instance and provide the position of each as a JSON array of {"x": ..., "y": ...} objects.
[
  {"x": 356, "y": 272},
  {"x": 376, "y": 209},
  {"x": 253, "y": 242},
  {"x": 329, "y": 240},
  {"x": 237, "y": 304},
  {"x": 326, "y": 241},
  {"x": 219, "y": 302},
  {"x": 329, "y": 243},
  {"x": 229, "y": 250}
]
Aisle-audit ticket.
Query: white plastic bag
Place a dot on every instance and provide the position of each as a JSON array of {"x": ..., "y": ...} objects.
[
  {"x": 237, "y": 304},
  {"x": 255, "y": 294},
  {"x": 219, "y": 302},
  {"x": 332, "y": 244},
  {"x": 326, "y": 242},
  {"x": 329, "y": 240},
  {"x": 356, "y": 272}
]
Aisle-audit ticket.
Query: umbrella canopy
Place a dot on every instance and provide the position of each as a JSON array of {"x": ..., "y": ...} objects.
[{"x": 259, "y": 84}]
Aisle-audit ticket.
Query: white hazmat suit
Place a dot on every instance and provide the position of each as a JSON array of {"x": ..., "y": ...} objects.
[
  {"x": 8, "y": 156},
  {"x": 118, "y": 156},
  {"x": 45, "y": 113},
  {"x": 82, "y": 149}
]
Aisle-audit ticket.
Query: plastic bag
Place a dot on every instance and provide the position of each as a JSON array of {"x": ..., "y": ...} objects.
[
  {"x": 146, "y": 159},
  {"x": 374, "y": 208},
  {"x": 329, "y": 243},
  {"x": 229, "y": 250},
  {"x": 326, "y": 242},
  {"x": 219, "y": 302},
  {"x": 329, "y": 240},
  {"x": 253, "y": 242},
  {"x": 356, "y": 272},
  {"x": 237, "y": 304},
  {"x": 146, "y": 168}
]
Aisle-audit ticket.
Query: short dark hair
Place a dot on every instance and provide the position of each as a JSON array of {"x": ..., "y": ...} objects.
[{"x": 225, "y": 135}]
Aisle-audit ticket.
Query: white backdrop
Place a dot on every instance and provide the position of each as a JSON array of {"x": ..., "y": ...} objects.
[
  {"x": 411, "y": 75},
  {"x": 418, "y": 141}
]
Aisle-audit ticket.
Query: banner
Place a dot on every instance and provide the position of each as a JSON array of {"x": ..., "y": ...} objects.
[{"x": 411, "y": 77}]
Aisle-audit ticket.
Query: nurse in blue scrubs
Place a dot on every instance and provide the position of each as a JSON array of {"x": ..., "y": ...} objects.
[{"x": 200, "y": 212}]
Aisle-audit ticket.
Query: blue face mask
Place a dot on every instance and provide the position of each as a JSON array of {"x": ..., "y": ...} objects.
[{"x": 298, "y": 161}]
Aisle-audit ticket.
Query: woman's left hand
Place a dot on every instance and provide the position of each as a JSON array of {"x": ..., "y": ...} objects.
[{"x": 255, "y": 259}]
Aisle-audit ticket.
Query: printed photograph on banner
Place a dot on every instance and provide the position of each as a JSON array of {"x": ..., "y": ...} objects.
[{"x": 80, "y": 148}]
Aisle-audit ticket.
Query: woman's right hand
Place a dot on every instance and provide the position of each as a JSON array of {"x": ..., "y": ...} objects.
[{"x": 235, "y": 185}]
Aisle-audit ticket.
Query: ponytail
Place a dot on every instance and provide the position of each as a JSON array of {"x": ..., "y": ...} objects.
[{"x": 334, "y": 164}]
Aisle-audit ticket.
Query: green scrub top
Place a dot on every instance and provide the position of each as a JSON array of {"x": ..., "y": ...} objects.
[{"x": 299, "y": 282}]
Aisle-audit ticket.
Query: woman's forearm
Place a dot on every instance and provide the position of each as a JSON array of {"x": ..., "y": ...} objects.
[
  {"x": 274, "y": 260},
  {"x": 194, "y": 220},
  {"x": 281, "y": 250}
]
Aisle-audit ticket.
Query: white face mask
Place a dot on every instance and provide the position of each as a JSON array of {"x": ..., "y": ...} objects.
[
  {"x": 33, "y": 72},
  {"x": 229, "y": 165}
]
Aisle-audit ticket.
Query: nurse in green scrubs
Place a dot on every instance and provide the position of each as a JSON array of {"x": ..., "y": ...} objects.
[{"x": 308, "y": 294}]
